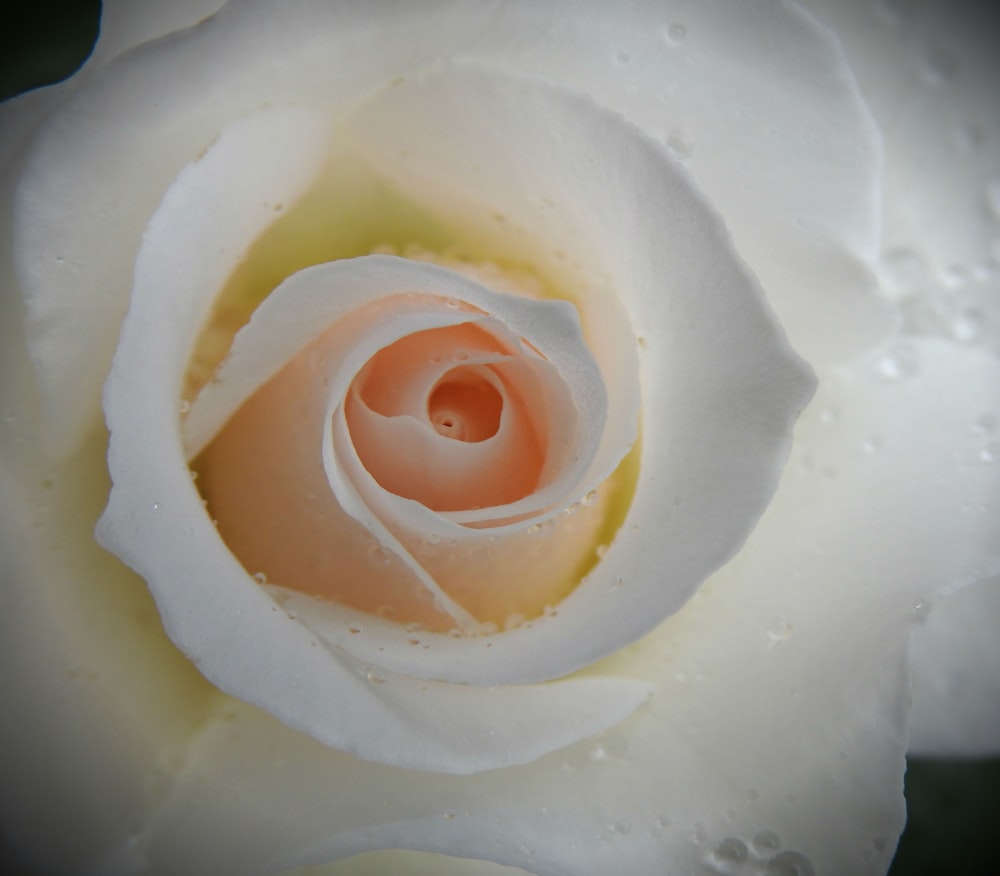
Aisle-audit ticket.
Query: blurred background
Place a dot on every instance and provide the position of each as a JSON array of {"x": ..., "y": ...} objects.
[{"x": 953, "y": 805}]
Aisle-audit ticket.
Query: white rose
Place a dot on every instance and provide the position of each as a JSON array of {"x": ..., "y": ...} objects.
[{"x": 761, "y": 726}]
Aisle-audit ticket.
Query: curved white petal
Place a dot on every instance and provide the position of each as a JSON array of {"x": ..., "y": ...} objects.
[
  {"x": 81, "y": 650},
  {"x": 144, "y": 116},
  {"x": 817, "y": 771},
  {"x": 129, "y": 23},
  {"x": 928, "y": 72},
  {"x": 156, "y": 522},
  {"x": 647, "y": 250}
]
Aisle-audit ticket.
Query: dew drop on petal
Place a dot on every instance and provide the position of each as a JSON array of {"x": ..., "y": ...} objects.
[
  {"x": 729, "y": 854},
  {"x": 676, "y": 34},
  {"x": 989, "y": 452},
  {"x": 766, "y": 842},
  {"x": 898, "y": 363},
  {"x": 967, "y": 326},
  {"x": 680, "y": 145},
  {"x": 790, "y": 864},
  {"x": 872, "y": 444}
]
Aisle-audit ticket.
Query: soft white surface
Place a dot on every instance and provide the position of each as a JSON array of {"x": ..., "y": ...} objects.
[
  {"x": 929, "y": 73},
  {"x": 819, "y": 756},
  {"x": 838, "y": 801},
  {"x": 799, "y": 180}
]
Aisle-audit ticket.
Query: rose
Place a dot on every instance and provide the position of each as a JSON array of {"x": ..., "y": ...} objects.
[{"x": 606, "y": 833}]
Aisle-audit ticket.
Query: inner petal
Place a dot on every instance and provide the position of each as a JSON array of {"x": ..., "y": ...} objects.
[
  {"x": 454, "y": 437},
  {"x": 465, "y": 406}
]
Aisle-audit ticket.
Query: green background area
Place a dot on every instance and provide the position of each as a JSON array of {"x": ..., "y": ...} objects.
[{"x": 952, "y": 804}]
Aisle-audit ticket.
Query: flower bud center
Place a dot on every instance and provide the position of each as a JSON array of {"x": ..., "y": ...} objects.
[{"x": 465, "y": 406}]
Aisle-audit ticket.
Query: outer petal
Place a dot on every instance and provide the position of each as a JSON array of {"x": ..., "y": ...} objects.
[
  {"x": 743, "y": 754},
  {"x": 166, "y": 102},
  {"x": 128, "y": 23},
  {"x": 929, "y": 71}
]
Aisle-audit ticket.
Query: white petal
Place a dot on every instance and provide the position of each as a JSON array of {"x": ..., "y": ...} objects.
[
  {"x": 99, "y": 167},
  {"x": 928, "y": 71},
  {"x": 128, "y": 23},
  {"x": 797, "y": 650},
  {"x": 81, "y": 650},
  {"x": 653, "y": 247}
]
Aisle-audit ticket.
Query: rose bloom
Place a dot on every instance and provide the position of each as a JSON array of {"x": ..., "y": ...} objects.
[{"x": 462, "y": 437}]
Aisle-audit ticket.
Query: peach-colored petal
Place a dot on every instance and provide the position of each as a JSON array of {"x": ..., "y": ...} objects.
[{"x": 267, "y": 463}]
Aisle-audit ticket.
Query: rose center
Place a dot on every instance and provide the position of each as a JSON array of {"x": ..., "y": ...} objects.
[{"x": 464, "y": 405}]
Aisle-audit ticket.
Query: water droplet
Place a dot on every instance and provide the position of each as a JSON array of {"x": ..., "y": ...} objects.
[
  {"x": 156, "y": 506},
  {"x": 374, "y": 676},
  {"x": 967, "y": 326},
  {"x": 676, "y": 34},
  {"x": 514, "y": 621},
  {"x": 549, "y": 611},
  {"x": 766, "y": 842},
  {"x": 680, "y": 145},
  {"x": 449, "y": 815},
  {"x": 601, "y": 551},
  {"x": 729, "y": 854},
  {"x": 379, "y": 556},
  {"x": 260, "y": 577},
  {"x": 953, "y": 277},
  {"x": 790, "y": 864},
  {"x": 535, "y": 528},
  {"x": 460, "y": 355},
  {"x": 590, "y": 498},
  {"x": 989, "y": 452},
  {"x": 921, "y": 611},
  {"x": 900, "y": 362},
  {"x": 452, "y": 303},
  {"x": 184, "y": 406}
]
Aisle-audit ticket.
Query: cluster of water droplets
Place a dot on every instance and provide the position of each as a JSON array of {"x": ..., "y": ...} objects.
[{"x": 760, "y": 855}]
